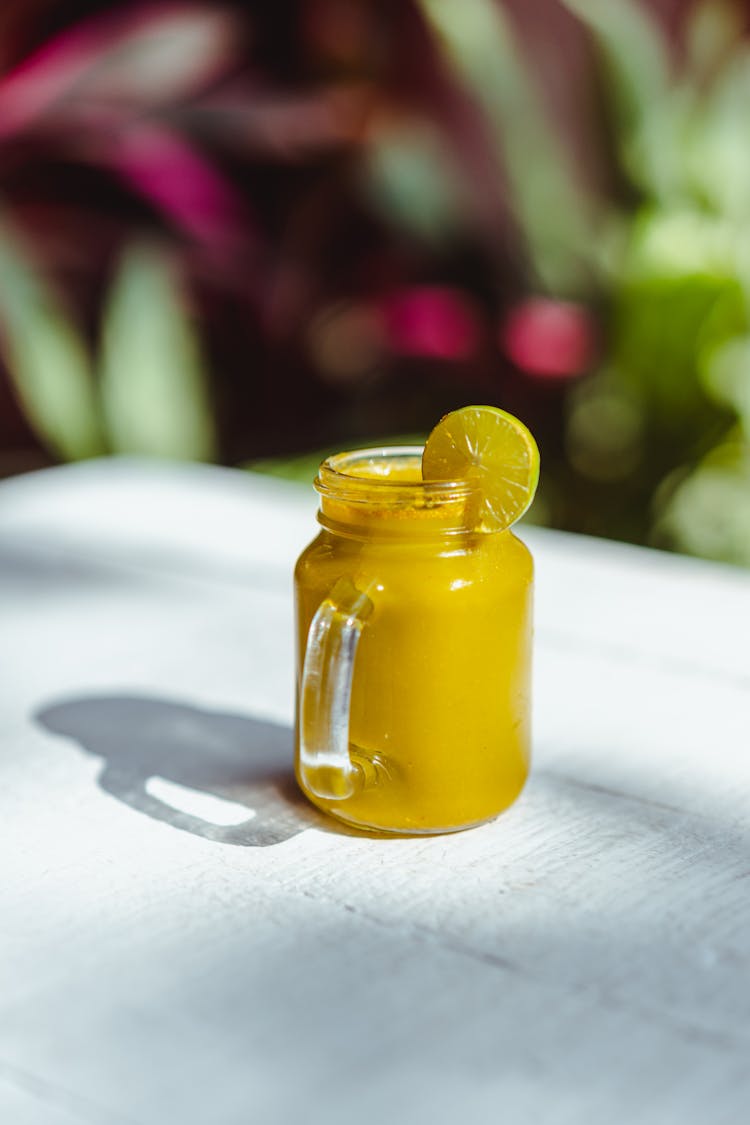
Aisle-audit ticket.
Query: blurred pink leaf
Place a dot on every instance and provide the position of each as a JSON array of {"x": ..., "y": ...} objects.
[
  {"x": 181, "y": 183},
  {"x": 552, "y": 339},
  {"x": 431, "y": 322},
  {"x": 158, "y": 53}
]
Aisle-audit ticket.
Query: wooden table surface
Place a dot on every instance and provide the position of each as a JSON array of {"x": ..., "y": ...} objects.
[{"x": 183, "y": 940}]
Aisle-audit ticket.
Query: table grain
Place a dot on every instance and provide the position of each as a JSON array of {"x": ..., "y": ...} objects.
[{"x": 183, "y": 940}]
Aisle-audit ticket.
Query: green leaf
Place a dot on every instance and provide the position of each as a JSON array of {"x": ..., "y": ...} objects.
[
  {"x": 301, "y": 467},
  {"x": 662, "y": 327},
  {"x": 679, "y": 242},
  {"x": 46, "y": 357},
  {"x": 678, "y": 299},
  {"x": 709, "y": 514},
  {"x": 650, "y": 114},
  {"x": 634, "y": 50},
  {"x": 726, "y": 375},
  {"x": 153, "y": 381},
  {"x": 408, "y": 176},
  {"x": 718, "y": 153},
  {"x": 478, "y": 42}
]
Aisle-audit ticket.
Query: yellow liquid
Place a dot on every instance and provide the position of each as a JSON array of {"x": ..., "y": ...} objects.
[{"x": 440, "y": 707}]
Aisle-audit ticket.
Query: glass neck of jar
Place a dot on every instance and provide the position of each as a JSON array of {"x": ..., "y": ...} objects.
[{"x": 380, "y": 494}]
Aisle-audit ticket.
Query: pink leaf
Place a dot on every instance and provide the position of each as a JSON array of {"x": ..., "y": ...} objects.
[
  {"x": 179, "y": 182},
  {"x": 157, "y": 53}
]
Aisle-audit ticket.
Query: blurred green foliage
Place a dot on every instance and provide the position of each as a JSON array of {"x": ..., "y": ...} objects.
[
  {"x": 469, "y": 181},
  {"x": 143, "y": 391},
  {"x": 657, "y": 439},
  {"x": 680, "y": 289}
]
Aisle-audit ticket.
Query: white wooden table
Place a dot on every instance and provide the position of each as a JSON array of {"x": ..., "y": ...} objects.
[{"x": 183, "y": 940}]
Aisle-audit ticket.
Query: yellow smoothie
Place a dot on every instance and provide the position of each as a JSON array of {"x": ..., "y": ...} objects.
[{"x": 439, "y": 718}]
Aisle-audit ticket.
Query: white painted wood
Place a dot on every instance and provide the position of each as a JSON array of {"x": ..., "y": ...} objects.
[{"x": 179, "y": 945}]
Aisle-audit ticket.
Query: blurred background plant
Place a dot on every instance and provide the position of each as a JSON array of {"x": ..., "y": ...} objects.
[{"x": 252, "y": 233}]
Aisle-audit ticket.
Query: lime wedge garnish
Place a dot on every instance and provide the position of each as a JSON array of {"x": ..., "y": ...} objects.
[{"x": 494, "y": 451}]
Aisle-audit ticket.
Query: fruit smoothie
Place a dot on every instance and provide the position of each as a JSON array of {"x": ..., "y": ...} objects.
[{"x": 439, "y": 716}]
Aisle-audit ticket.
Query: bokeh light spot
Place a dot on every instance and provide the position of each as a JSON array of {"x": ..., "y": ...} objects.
[{"x": 550, "y": 339}]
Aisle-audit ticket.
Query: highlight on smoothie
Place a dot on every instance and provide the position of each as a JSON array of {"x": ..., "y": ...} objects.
[{"x": 414, "y": 630}]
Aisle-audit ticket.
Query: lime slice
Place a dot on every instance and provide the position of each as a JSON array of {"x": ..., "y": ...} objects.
[{"x": 493, "y": 450}]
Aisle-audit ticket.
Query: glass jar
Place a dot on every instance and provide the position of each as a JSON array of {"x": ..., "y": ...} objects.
[{"x": 414, "y": 651}]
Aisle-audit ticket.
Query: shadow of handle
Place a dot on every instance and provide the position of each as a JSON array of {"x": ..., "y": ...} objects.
[{"x": 131, "y": 790}]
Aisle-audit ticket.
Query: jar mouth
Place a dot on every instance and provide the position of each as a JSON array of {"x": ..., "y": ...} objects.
[{"x": 388, "y": 476}]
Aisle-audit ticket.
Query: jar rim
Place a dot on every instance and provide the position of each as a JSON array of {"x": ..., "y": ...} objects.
[{"x": 336, "y": 479}]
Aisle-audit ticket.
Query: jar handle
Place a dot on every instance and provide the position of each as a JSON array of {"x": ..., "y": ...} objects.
[{"x": 325, "y": 692}]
